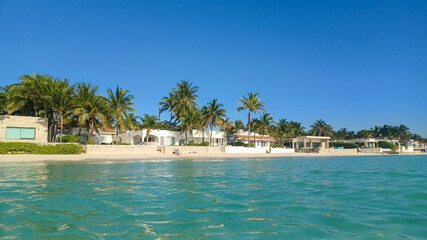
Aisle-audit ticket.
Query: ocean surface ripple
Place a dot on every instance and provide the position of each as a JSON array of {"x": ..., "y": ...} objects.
[{"x": 376, "y": 197}]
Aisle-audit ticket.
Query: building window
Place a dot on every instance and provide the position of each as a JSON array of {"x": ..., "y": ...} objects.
[{"x": 20, "y": 133}]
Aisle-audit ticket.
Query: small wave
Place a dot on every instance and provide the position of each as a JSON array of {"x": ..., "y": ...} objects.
[
  {"x": 213, "y": 226},
  {"x": 260, "y": 219}
]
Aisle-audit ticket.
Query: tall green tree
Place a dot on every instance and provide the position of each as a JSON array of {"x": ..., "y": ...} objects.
[
  {"x": 227, "y": 126},
  {"x": 264, "y": 124},
  {"x": 184, "y": 98},
  {"x": 190, "y": 121},
  {"x": 253, "y": 104},
  {"x": 121, "y": 105},
  {"x": 212, "y": 112},
  {"x": 93, "y": 112},
  {"x": 239, "y": 125},
  {"x": 2, "y": 99},
  {"x": 321, "y": 128},
  {"x": 31, "y": 91},
  {"x": 150, "y": 122},
  {"x": 62, "y": 101}
]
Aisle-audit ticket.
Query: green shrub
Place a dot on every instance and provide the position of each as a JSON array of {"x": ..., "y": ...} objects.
[
  {"x": 71, "y": 139},
  {"x": 32, "y": 148},
  {"x": 278, "y": 146},
  {"x": 343, "y": 144},
  {"x": 17, "y": 147},
  {"x": 192, "y": 143},
  {"x": 59, "y": 149},
  {"x": 384, "y": 144},
  {"x": 92, "y": 142}
]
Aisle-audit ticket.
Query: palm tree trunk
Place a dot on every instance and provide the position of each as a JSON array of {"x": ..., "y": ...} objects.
[
  {"x": 91, "y": 131},
  {"x": 62, "y": 127},
  {"x": 148, "y": 134},
  {"x": 186, "y": 140},
  {"x": 35, "y": 108},
  {"x": 249, "y": 129},
  {"x": 210, "y": 137},
  {"x": 55, "y": 127},
  {"x": 191, "y": 134},
  {"x": 117, "y": 135}
]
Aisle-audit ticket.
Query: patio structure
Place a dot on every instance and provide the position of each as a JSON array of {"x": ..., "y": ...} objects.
[
  {"x": 308, "y": 142},
  {"x": 100, "y": 136},
  {"x": 363, "y": 142},
  {"x": 260, "y": 141}
]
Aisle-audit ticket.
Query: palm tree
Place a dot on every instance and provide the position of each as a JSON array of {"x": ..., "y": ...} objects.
[
  {"x": 238, "y": 125},
  {"x": 341, "y": 134},
  {"x": 92, "y": 111},
  {"x": 184, "y": 98},
  {"x": 82, "y": 93},
  {"x": 30, "y": 92},
  {"x": 150, "y": 122},
  {"x": 295, "y": 129},
  {"x": 190, "y": 120},
  {"x": 3, "y": 92},
  {"x": 365, "y": 133},
  {"x": 167, "y": 104},
  {"x": 226, "y": 125},
  {"x": 121, "y": 105},
  {"x": 62, "y": 101},
  {"x": 282, "y": 130},
  {"x": 253, "y": 104},
  {"x": 211, "y": 113},
  {"x": 131, "y": 123},
  {"x": 264, "y": 124},
  {"x": 321, "y": 128}
]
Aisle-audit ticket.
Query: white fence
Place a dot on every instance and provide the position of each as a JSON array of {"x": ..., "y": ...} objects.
[{"x": 282, "y": 150}]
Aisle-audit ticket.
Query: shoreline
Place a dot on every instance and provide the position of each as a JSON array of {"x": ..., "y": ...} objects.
[{"x": 18, "y": 158}]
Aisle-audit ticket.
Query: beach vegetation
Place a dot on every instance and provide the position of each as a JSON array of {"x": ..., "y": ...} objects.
[
  {"x": 70, "y": 139},
  {"x": 150, "y": 122},
  {"x": 252, "y": 103},
  {"x": 33, "y": 148},
  {"x": 212, "y": 114},
  {"x": 385, "y": 144},
  {"x": 121, "y": 104},
  {"x": 80, "y": 105}
]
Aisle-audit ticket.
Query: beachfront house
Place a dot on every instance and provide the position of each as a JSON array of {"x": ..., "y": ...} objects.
[
  {"x": 167, "y": 138},
  {"x": 100, "y": 136},
  {"x": 157, "y": 137},
  {"x": 218, "y": 138},
  {"x": 23, "y": 129},
  {"x": 259, "y": 140},
  {"x": 363, "y": 142},
  {"x": 308, "y": 142},
  {"x": 419, "y": 147}
]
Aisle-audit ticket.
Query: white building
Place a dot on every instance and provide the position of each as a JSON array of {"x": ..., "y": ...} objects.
[
  {"x": 167, "y": 138},
  {"x": 363, "y": 142},
  {"x": 100, "y": 136},
  {"x": 260, "y": 141}
]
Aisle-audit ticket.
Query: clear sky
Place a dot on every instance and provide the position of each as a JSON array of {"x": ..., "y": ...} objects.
[{"x": 354, "y": 64}]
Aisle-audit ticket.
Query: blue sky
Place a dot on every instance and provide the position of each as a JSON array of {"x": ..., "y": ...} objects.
[{"x": 354, "y": 64}]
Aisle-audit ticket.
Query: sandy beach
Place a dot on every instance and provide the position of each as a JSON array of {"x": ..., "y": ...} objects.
[{"x": 159, "y": 156}]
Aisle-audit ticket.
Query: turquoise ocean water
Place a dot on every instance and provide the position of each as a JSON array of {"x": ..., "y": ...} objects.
[{"x": 380, "y": 197}]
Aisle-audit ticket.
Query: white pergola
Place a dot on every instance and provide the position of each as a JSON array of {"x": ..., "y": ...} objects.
[{"x": 309, "y": 142}]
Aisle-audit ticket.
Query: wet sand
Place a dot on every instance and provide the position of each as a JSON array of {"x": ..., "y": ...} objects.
[{"x": 160, "y": 156}]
